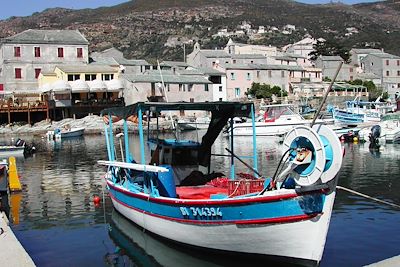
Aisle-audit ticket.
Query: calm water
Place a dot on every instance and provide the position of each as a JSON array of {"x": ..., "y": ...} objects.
[{"x": 59, "y": 225}]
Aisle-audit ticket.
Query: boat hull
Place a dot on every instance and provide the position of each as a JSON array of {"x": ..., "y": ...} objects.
[
  {"x": 74, "y": 132},
  {"x": 292, "y": 234},
  {"x": 12, "y": 151}
]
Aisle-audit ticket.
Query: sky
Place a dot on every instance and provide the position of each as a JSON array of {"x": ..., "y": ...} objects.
[{"x": 27, "y": 7}]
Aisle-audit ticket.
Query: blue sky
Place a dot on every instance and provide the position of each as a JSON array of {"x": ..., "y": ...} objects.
[{"x": 27, "y": 7}]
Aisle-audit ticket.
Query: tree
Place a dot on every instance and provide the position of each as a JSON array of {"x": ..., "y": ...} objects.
[
  {"x": 258, "y": 91},
  {"x": 329, "y": 48}
]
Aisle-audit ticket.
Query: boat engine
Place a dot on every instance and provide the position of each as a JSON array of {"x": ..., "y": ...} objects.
[
  {"x": 315, "y": 155},
  {"x": 375, "y": 134}
]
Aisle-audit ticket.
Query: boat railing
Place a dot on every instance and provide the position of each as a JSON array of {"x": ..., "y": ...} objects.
[{"x": 133, "y": 166}]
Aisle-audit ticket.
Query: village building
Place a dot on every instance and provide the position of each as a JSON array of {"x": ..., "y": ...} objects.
[
  {"x": 329, "y": 65},
  {"x": 387, "y": 67}
]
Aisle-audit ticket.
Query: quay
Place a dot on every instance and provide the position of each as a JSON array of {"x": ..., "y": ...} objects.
[
  {"x": 391, "y": 262},
  {"x": 12, "y": 253}
]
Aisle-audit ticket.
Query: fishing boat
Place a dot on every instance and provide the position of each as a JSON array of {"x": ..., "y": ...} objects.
[
  {"x": 66, "y": 132},
  {"x": 357, "y": 112},
  {"x": 275, "y": 120},
  {"x": 175, "y": 193}
]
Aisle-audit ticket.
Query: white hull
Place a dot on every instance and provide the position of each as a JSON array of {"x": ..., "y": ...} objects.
[
  {"x": 74, "y": 132},
  {"x": 269, "y": 128},
  {"x": 11, "y": 151},
  {"x": 303, "y": 240}
]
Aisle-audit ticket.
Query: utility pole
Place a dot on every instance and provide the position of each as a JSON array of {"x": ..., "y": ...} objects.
[{"x": 184, "y": 53}]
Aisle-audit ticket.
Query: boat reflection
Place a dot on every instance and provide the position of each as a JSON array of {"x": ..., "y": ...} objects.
[{"x": 135, "y": 247}]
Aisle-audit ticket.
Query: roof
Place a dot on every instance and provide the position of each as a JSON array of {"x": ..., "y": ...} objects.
[
  {"x": 174, "y": 64},
  {"x": 215, "y": 53},
  {"x": 331, "y": 58},
  {"x": 248, "y": 56},
  {"x": 210, "y": 71},
  {"x": 384, "y": 55},
  {"x": 72, "y": 37},
  {"x": 261, "y": 67},
  {"x": 287, "y": 58},
  {"x": 234, "y": 108},
  {"x": 365, "y": 50},
  {"x": 86, "y": 68},
  {"x": 167, "y": 78}
]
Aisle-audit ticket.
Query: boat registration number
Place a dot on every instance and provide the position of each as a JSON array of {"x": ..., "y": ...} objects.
[{"x": 202, "y": 212}]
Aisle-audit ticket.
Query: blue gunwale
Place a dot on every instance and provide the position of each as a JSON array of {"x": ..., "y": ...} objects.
[{"x": 260, "y": 209}]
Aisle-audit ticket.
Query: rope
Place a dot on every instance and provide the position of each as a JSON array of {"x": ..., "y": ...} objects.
[
  {"x": 237, "y": 187},
  {"x": 368, "y": 197}
]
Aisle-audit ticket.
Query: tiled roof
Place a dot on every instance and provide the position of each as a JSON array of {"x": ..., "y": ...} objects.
[
  {"x": 215, "y": 53},
  {"x": 331, "y": 58},
  {"x": 261, "y": 67},
  {"x": 153, "y": 78},
  {"x": 365, "y": 50},
  {"x": 72, "y": 37},
  {"x": 87, "y": 68},
  {"x": 248, "y": 56}
]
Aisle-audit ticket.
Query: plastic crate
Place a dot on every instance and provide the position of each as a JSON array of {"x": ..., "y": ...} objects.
[{"x": 244, "y": 186}]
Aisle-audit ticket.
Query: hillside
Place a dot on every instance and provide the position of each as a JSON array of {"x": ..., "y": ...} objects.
[{"x": 142, "y": 28}]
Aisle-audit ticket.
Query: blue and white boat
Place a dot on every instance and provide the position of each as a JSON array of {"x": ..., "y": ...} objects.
[
  {"x": 359, "y": 112},
  {"x": 285, "y": 217}
]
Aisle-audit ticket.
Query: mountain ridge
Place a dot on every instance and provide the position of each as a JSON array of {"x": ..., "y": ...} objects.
[{"x": 142, "y": 28}]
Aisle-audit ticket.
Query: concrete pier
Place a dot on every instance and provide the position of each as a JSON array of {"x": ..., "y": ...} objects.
[
  {"x": 391, "y": 262},
  {"x": 11, "y": 251}
]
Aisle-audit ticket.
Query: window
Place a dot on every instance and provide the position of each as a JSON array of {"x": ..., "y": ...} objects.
[
  {"x": 191, "y": 100},
  {"x": 17, "y": 51},
  {"x": 37, "y": 72},
  {"x": 258, "y": 74},
  {"x": 18, "y": 73},
  {"x": 282, "y": 73},
  {"x": 180, "y": 87},
  {"x": 387, "y": 62},
  {"x": 233, "y": 77},
  {"x": 206, "y": 87},
  {"x": 398, "y": 73},
  {"x": 60, "y": 52},
  {"x": 220, "y": 99},
  {"x": 269, "y": 74},
  {"x": 234, "y": 61},
  {"x": 37, "y": 51},
  {"x": 351, "y": 69},
  {"x": 79, "y": 52},
  {"x": 90, "y": 77},
  {"x": 237, "y": 92},
  {"x": 251, "y": 62},
  {"x": 220, "y": 88},
  {"x": 73, "y": 77},
  {"x": 398, "y": 62},
  {"x": 248, "y": 76},
  {"x": 107, "y": 77},
  {"x": 351, "y": 78},
  {"x": 387, "y": 73},
  {"x": 190, "y": 87}
]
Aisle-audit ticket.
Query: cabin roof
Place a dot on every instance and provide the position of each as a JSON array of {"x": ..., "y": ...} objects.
[{"x": 223, "y": 108}]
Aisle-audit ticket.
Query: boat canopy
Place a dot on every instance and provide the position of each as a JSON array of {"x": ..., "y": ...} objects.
[
  {"x": 229, "y": 109},
  {"x": 221, "y": 112}
]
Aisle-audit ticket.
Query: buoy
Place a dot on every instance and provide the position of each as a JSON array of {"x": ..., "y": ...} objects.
[
  {"x": 355, "y": 139},
  {"x": 96, "y": 200},
  {"x": 14, "y": 183}
]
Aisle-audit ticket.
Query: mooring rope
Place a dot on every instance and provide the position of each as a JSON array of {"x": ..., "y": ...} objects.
[{"x": 368, "y": 197}]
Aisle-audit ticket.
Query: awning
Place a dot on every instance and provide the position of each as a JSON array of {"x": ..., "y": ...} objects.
[
  {"x": 97, "y": 86},
  {"x": 114, "y": 85},
  {"x": 61, "y": 86},
  {"x": 79, "y": 86}
]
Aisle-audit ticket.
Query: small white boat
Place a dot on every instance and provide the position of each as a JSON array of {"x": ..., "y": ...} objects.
[
  {"x": 67, "y": 132},
  {"x": 194, "y": 123},
  {"x": 389, "y": 132},
  {"x": 12, "y": 151},
  {"x": 276, "y": 120}
]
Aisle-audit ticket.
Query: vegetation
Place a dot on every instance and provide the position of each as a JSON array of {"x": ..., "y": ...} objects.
[
  {"x": 330, "y": 48},
  {"x": 265, "y": 91},
  {"x": 373, "y": 91}
]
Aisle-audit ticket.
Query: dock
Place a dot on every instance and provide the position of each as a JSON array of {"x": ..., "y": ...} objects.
[
  {"x": 391, "y": 262},
  {"x": 12, "y": 253}
]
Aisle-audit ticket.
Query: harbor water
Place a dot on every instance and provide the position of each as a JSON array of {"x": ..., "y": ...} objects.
[{"x": 55, "y": 219}]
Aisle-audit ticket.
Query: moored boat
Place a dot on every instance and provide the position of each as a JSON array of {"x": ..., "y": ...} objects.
[
  {"x": 66, "y": 132},
  {"x": 286, "y": 216}
]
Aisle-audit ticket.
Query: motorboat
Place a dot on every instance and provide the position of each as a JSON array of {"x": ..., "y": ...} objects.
[
  {"x": 174, "y": 191},
  {"x": 65, "y": 132},
  {"x": 387, "y": 131},
  {"x": 274, "y": 120}
]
